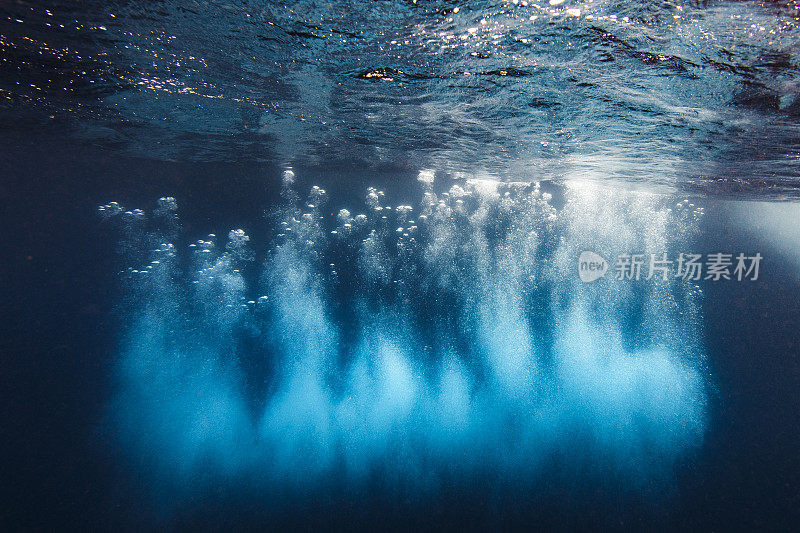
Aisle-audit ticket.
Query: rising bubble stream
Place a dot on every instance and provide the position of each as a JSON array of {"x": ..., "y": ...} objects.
[{"x": 409, "y": 347}]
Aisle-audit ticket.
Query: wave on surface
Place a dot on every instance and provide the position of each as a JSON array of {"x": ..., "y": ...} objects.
[{"x": 659, "y": 92}]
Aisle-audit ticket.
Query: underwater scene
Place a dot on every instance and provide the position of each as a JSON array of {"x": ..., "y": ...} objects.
[{"x": 401, "y": 265}]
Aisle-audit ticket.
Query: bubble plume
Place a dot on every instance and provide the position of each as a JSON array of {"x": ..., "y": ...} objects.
[{"x": 410, "y": 347}]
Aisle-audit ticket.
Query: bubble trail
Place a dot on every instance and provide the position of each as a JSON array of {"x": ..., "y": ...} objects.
[{"x": 409, "y": 347}]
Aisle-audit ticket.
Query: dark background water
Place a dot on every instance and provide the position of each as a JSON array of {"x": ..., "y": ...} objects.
[
  {"x": 61, "y": 468},
  {"x": 206, "y": 101}
]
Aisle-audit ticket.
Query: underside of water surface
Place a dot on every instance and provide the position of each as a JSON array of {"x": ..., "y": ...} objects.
[{"x": 669, "y": 93}]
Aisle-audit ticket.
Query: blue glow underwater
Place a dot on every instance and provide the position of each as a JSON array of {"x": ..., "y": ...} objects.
[{"x": 408, "y": 348}]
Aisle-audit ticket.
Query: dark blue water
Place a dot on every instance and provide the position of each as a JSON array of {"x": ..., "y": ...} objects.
[{"x": 317, "y": 266}]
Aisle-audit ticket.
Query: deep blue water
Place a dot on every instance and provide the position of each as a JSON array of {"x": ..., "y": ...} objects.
[{"x": 316, "y": 266}]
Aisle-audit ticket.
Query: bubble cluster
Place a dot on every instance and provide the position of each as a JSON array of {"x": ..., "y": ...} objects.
[{"x": 414, "y": 345}]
